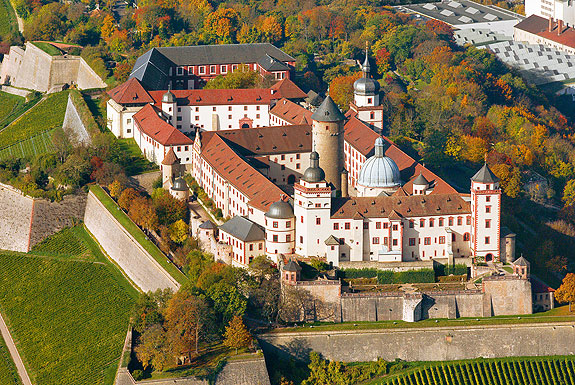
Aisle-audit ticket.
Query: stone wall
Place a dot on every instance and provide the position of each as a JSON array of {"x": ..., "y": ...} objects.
[
  {"x": 73, "y": 125},
  {"x": 132, "y": 258},
  {"x": 50, "y": 217},
  {"x": 16, "y": 219},
  {"x": 394, "y": 266},
  {"x": 427, "y": 344},
  {"x": 15, "y": 91},
  {"x": 507, "y": 295}
]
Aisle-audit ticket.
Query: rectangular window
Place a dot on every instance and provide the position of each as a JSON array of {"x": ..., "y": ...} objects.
[
  {"x": 427, "y": 241},
  {"x": 260, "y": 246},
  {"x": 468, "y": 220},
  {"x": 450, "y": 221},
  {"x": 283, "y": 157},
  {"x": 394, "y": 242},
  {"x": 411, "y": 241},
  {"x": 202, "y": 70},
  {"x": 223, "y": 69},
  {"x": 486, "y": 240},
  {"x": 347, "y": 226},
  {"x": 385, "y": 241},
  {"x": 318, "y": 205},
  {"x": 422, "y": 223},
  {"x": 487, "y": 209},
  {"x": 275, "y": 224},
  {"x": 488, "y": 223},
  {"x": 297, "y": 156},
  {"x": 179, "y": 119},
  {"x": 459, "y": 221},
  {"x": 488, "y": 199},
  {"x": 365, "y": 225},
  {"x": 385, "y": 225},
  {"x": 411, "y": 224},
  {"x": 318, "y": 221},
  {"x": 275, "y": 238},
  {"x": 453, "y": 237},
  {"x": 300, "y": 239},
  {"x": 336, "y": 226},
  {"x": 180, "y": 71},
  {"x": 288, "y": 238},
  {"x": 245, "y": 108},
  {"x": 440, "y": 222},
  {"x": 251, "y": 247},
  {"x": 431, "y": 222},
  {"x": 212, "y": 69},
  {"x": 395, "y": 227},
  {"x": 442, "y": 240},
  {"x": 301, "y": 219},
  {"x": 375, "y": 240},
  {"x": 179, "y": 149},
  {"x": 297, "y": 166},
  {"x": 378, "y": 225},
  {"x": 288, "y": 224},
  {"x": 229, "y": 116}
]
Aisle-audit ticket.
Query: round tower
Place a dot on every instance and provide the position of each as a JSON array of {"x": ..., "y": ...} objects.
[
  {"x": 327, "y": 134},
  {"x": 169, "y": 105},
  {"x": 280, "y": 229}
]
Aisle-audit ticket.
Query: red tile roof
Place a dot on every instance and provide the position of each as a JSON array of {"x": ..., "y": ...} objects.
[
  {"x": 130, "y": 92},
  {"x": 538, "y": 286},
  {"x": 362, "y": 138},
  {"x": 288, "y": 89},
  {"x": 400, "y": 206},
  {"x": 148, "y": 121},
  {"x": 540, "y": 26},
  {"x": 217, "y": 97},
  {"x": 291, "y": 112},
  {"x": 261, "y": 191}
]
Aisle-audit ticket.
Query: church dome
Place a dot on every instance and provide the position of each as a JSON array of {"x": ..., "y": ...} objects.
[
  {"x": 314, "y": 173},
  {"x": 379, "y": 171},
  {"x": 366, "y": 86},
  {"x": 280, "y": 210},
  {"x": 169, "y": 97}
]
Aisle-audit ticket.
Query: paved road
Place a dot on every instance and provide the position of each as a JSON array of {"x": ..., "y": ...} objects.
[{"x": 14, "y": 352}]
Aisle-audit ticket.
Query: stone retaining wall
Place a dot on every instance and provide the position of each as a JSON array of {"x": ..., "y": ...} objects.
[
  {"x": 133, "y": 259},
  {"x": 16, "y": 219},
  {"x": 73, "y": 125},
  {"x": 427, "y": 344}
]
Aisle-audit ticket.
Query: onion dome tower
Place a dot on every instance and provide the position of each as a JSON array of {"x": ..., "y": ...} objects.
[
  {"x": 327, "y": 134},
  {"x": 378, "y": 174},
  {"x": 366, "y": 89},
  {"x": 280, "y": 229}
]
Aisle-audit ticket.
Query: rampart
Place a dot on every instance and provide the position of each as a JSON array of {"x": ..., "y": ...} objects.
[
  {"x": 26, "y": 221},
  {"x": 32, "y": 68},
  {"x": 120, "y": 245},
  {"x": 427, "y": 344},
  {"x": 73, "y": 126}
]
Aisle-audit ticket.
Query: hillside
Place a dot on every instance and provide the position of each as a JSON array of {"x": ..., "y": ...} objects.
[{"x": 67, "y": 308}]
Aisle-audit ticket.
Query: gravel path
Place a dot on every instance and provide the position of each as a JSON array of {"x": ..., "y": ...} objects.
[{"x": 14, "y": 352}]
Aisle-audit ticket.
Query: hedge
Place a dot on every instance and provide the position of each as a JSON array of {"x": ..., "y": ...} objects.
[
  {"x": 388, "y": 276},
  {"x": 457, "y": 269}
]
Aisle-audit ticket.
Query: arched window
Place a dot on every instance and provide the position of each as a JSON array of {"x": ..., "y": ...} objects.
[{"x": 466, "y": 237}]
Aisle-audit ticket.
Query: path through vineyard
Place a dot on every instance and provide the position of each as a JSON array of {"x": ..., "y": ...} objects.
[{"x": 14, "y": 352}]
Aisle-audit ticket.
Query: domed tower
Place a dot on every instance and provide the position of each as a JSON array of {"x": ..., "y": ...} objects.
[
  {"x": 169, "y": 105},
  {"x": 327, "y": 134},
  {"x": 180, "y": 189},
  {"x": 378, "y": 174},
  {"x": 312, "y": 209},
  {"x": 366, "y": 99},
  {"x": 485, "y": 215},
  {"x": 280, "y": 229}
]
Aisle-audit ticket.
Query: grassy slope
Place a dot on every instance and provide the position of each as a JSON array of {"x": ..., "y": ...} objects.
[
  {"x": 8, "y": 21},
  {"x": 46, "y": 116},
  {"x": 7, "y": 116},
  {"x": 8, "y": 372},
  {"x": 138, "y": 234},
  {"x": 68, "y": 309},
  {"x": 517, "y": 370},
  {"x": 48, "y": 48}
]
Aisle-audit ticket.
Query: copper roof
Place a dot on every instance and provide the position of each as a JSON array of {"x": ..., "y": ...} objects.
[
  {"x": 130, "y": 92},
  {"x": 150, "y": 122},
  {"x": 394, "y": 207},
  {"x": 291, "y": 112},
  {"x": 261, "y": 191},
  {"x": 287, "y": 89}
]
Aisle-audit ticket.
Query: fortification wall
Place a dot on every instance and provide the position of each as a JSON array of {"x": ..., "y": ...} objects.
[
  {"x": 73, "y": 125},
  {"x": 132, "y": 258},
  {"x": 427, "y": 344},
  {"x": 88, "y": 78},
  {"x": 507, "y": 295},
  {"x": 393, "y": 266},
  {"x": 34, "y": 70},
  {"x": 16, "y": 219},
  {"x": 50, "y": 217}
]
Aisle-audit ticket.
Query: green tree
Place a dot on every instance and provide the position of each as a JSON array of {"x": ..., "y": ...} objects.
[
  {"x": 179, "y": 231},
  {"x": 242, "y": 77},
  {"x": 569, "y": 193},
  {"x": 152, "y": 348},
  {"x": 237, "y": 335}
]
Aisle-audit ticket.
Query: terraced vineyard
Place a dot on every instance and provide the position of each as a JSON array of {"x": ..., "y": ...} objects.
[
  {"x": 518, "y": 371},
  {"x": 68, "y": 309},
  {"x": 8, "y": 372},
  {"x": 45, "y": 116},
  {"x": 39, "y": 144}
]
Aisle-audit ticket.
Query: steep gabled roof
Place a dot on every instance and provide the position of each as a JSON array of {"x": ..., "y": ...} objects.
[
  {"x": 332, "y": 241},
  {"x": 208, "y": 225},
  {"x": 211, "y": 97},
  {"x": 269, "y": 140},
  {"x": 291, "y": 112},
  {"x": 539, "y": 26},
  {"x": 243, "y": 229},
  {"x": 149, "y": 120},
  {"x": 130, "y": 92},
  {"x": 272, "y": 64},
  {"x": 287, "y": 89},
  {"x": 485, "y": 175},
  {"x": 152, "y": 69}
]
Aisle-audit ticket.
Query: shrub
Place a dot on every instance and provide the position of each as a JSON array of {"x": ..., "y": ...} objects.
[
  {"x": 385, "y": 277},
  {"x": 415, "y": 276},
  {"x": 138, "y": 375},
  {"x": 457, "y": 269}
]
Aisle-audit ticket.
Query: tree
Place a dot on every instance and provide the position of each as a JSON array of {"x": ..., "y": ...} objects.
[
  {"x": 569, "y": 193},
  {"x": 557, "y": 264},
  {"x": 179, "y": 231},
  {"x": 242, "y": 77},
  {"x": 115, "y": 188},
  {"x": 221, "y": 25},
  {"x": 187, "y": 316},
  {"x": 237, "y": 335},
  {"x": 149, "y": 309},
  {"x": 261, "y": 267},
  {"x": 168, "y": 208},
  {"x": 566, "y": 292},
  {"x": 341, "y": 89},
  {"x": 143, "y": 214},
  {"x": 127, "y": 197},
  {"x": 152, "y": 349}
]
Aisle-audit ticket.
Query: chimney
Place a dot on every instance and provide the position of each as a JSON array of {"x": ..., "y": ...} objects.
[
  {"x": 550, "y": 24},
  {"x": 559, "y": 27}
]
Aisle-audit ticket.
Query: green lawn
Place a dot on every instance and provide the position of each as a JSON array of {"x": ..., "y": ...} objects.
[
  {"x": 135, "y": 231},
  {"x": 8, "y": 372},
  {"x": 45, "y": 116},
  {"x": 68, "y": 309},
  {"x": 139, "y": 163},
  {"x": 516, "y": 371},
  {"x": 8, "y": 21},
  {"x": 48, "y": 48}
]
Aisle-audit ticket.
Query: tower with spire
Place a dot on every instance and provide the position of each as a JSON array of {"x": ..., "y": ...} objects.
[{"x": 366, "y": 99}]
